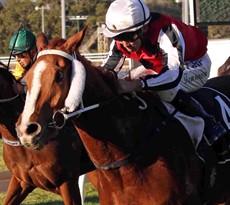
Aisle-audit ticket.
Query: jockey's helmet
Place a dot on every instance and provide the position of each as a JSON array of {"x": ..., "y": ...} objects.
[
  {"x": 22, "y": 41},
  {"x": 125, "y": 16}
]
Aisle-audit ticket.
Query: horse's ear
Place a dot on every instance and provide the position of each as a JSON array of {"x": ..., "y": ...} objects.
[
  {"x": 73, "y": 43},
  {"x": 42, "y": 41}
]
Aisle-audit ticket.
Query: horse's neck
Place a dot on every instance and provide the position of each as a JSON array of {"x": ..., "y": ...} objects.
[
  {"x": 108, "y": 132},
  {"x": 96, "y": 88}
]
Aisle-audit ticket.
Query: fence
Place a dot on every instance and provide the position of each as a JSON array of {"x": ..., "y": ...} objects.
[{"x": 96, "y": 58}]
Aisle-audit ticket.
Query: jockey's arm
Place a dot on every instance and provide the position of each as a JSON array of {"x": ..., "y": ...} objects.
[
  {"x": 171, "y": 63},
  {"x": 115, "y": 59}
]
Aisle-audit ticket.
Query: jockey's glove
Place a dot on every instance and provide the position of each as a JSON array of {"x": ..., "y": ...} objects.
[{"x": 124, "y": 86}]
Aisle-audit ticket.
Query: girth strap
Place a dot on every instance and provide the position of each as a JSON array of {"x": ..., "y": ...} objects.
[{"x": 113, "y": 165}]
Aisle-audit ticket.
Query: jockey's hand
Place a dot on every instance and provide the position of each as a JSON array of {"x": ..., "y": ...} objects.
[
  {"x": 18, "y": 88},
  {"x": 124, "y": 86},
  {"x": 109, "y": 73}
]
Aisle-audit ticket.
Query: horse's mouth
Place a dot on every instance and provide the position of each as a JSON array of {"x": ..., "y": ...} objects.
[
  {"x": 32, "y": 146},
  {"x": 38, "y": 141}
]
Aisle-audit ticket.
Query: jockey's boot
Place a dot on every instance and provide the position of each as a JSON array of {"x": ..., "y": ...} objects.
[{"x": 185, "y": 103}]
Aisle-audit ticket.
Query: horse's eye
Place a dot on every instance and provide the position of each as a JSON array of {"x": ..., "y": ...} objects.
[{"x": 59, "y": 77}]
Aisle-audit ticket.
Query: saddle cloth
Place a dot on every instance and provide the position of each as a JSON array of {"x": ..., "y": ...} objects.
[
  {"x": 193, "y": 125},
  {"x": 215, "y": 103}
]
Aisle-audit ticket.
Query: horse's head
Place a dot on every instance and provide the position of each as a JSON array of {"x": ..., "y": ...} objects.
[
  {"x": 10, "y": 103},
  {"x": 6, "y": 82},
  {"x": 49, "y": 87}
]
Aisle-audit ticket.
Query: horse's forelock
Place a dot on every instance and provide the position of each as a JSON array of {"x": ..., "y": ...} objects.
[{"x": 56, "y": 43}]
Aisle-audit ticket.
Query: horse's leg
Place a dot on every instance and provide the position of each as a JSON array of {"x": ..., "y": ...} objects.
[
  {"x": 17, "y": 191},
  {"x": 83, "y": 179},
  {"x": 70, "y": 193},
  {"x": 81, "y": 183}
]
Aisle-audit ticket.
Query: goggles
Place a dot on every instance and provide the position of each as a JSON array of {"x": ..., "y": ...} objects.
[
  {"x": 20, "y": 55},
  {"x": 128, "y": 37}
]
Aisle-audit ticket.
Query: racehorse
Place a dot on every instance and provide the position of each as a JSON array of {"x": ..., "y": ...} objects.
[
  {"x": 143, "y": 154},
  {"x": 54, "y": 166}
]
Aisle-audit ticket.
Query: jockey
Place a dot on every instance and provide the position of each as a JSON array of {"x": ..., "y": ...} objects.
[
  {"x": 173, "y": 56},
  {"x": 23, "y": 47}
]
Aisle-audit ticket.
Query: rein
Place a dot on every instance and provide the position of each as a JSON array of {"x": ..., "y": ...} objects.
[
  {"x": 65, "y": 116},
  {"x": 8, "y": 99},
  {"x": 62, "y": 113}
]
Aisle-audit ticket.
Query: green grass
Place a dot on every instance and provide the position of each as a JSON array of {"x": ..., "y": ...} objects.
[
  {"x": 41, "y": 197},
  {"x": 2, "y": 164}
]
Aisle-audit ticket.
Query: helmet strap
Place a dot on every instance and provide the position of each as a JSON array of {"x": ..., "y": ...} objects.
[{"x": 32, "y": 56}]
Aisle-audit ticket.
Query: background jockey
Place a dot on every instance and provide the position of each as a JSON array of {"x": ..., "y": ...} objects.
[
  {"x": 23, "y": 47},
  {"x": 173, "y": 56}
]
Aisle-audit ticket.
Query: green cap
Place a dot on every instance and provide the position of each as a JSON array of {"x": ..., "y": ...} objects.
[{"x": 24, "y": 41}]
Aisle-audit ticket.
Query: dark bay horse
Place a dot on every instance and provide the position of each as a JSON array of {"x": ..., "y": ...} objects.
[
  {"x": 143, "y": 155},
  {"x": 52, "y": 166}
]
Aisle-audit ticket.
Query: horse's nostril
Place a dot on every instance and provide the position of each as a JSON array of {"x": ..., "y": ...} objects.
[{"x": 32, "y": 128}]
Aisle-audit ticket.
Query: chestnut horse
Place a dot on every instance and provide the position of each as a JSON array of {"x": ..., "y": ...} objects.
[
  {"x": 52, "y": 166},
  {"x": 143, "y": 155}
]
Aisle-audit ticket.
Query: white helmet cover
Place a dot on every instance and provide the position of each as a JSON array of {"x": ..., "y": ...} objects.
[{"x": 125, "y": 16}]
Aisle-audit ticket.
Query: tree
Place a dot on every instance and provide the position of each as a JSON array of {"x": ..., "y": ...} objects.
[
  {"x": 24, "y": 15},
  {"x": 14, "y": 13}
]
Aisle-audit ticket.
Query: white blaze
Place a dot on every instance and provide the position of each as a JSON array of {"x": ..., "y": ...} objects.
[{"x": 31, "y": 97}]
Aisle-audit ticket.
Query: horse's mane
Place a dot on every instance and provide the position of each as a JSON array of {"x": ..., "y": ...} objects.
[
  {"x": 56, "y": 42},
  {"x": 106, "y": 75}
]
